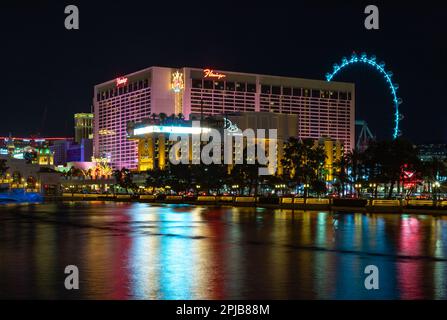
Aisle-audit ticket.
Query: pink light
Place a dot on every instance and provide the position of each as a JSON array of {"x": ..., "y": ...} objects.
[{"x": 121, "y": 81}]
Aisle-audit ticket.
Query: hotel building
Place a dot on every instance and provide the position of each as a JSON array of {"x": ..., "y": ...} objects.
[{"x": 323, "y": 109}]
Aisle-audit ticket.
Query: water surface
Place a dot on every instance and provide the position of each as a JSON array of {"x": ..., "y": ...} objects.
[{"x": 144, "y": 251}]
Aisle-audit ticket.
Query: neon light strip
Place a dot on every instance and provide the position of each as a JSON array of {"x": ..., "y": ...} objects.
[
  {"x": 387, "y": 75},
  {"x": 169, "y": 129},
  {"x": 35, "y": 139}
]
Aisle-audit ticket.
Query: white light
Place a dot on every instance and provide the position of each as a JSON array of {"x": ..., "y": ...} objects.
[{"x": 169, "y": 129}]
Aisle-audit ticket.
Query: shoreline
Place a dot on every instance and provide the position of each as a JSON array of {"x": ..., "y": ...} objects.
[{"x": 250, "y": 202}]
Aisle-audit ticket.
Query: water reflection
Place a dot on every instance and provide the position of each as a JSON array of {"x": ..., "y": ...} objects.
[{"x": 142, "y": 251}]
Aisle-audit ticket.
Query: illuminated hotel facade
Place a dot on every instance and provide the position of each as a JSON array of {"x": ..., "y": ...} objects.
[{"x": 323, "y": 109}]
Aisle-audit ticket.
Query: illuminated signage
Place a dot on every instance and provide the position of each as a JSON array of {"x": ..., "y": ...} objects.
[
  {"x": 208, "y": 73},
  {"x": 177, "y": 82},
  {"x": 169, "y": 129},
  {"x": 230, "y": 126},
  {"x": 121, "y": 81}
]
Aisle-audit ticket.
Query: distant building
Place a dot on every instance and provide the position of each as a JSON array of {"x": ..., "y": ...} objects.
[
  {"x": 68, "y": 151},
  {"x": 83, "y": 126},
  {"x": 33, "y": 177},
  {"x": 59, "y": 149},
  {"x": 80, "y": 152},
  {"x": 20, "y": 148},
  {"x": 428, "y": 152}
]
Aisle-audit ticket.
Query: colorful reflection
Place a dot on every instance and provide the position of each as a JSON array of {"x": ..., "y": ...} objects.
[{"x": 143, "y": 251}]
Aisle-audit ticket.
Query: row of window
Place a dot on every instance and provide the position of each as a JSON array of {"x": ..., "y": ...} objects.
[
  {"x": 270, "y": 89},
  {"x": 131, "y": 87},
  {"x": 224, "y": 85},
  {"x": 302, "y": 92}
]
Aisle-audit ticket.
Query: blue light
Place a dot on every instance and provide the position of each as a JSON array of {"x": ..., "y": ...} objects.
[{"x": 387, "y": 76}]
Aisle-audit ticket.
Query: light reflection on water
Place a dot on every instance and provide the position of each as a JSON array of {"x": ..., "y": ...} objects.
[{"x": 143, "y": 251}]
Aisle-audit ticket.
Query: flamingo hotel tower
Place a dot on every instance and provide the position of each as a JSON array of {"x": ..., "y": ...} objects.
[{"x": 324, "y": 109}]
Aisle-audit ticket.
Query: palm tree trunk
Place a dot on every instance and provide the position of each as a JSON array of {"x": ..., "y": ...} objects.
[{"x": 390, "y": 193}]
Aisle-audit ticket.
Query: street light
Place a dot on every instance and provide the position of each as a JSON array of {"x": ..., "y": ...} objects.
[
  {"x": 435, "y": 189},
  {"x": 358, "y": 187}
]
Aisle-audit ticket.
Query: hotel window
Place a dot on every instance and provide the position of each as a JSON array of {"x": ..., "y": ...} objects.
[
  {"x": 265, "y": 89},
  {"x": 251, "y": 87},
  {"x": 342, "y": 96},
  {"x": 276, "y": 90},
  {"x": 316, "y": 93},
  {"x": 324, "y": 94},
  {"x": 208, "y": 84},
  {"x": 333, "y": 94},
  {"x": 219, "y": 85},
  {"x": 146, "y": 83},
  {"x": 197, "y": 83},
  {"x": 297, "y": 92},
  {"x": 240, "y": 86},
  {"x": 286, "y": 91},
  {"x": 140, "y": 84},
  {"x": 349, "y": 96},
  {"x": 306, "y": 92},
  {"x": 230, "y": 86}
]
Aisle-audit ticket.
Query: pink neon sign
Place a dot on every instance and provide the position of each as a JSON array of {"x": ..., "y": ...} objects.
[
  {"x": 208, "y": 73},
  {"x": 121, "y": 81}
]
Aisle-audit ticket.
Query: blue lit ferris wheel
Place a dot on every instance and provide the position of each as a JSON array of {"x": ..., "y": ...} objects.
[{"x": 387, "y": 75}]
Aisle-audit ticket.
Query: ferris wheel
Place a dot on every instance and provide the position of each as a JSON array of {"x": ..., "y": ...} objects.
[{"x": 387, "y": 75}]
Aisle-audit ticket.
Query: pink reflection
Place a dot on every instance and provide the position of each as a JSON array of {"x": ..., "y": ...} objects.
[
  {"x": 409, "y": 272},
  {"x": 121, "y": 247}
]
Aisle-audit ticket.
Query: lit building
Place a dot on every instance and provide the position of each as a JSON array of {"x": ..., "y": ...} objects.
[
  {"x": 153, "y": 138},
  {"x": 428, "y": 152},
  {"x": 67, "y": 151},
  {"x": 83, "y": 126},
  {"x": 20, "y": 148},
  {"x": 44, "y": 157},
  {"x": 323, "y": 109},
  {"x": 32, "y": 177}
]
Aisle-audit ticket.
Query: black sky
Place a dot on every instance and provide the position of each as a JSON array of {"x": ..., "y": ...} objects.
[{"x": 45, "y": 66}]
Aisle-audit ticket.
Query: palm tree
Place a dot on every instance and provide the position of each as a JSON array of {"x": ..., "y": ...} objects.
[
  {"x": 154, "y": 117},
  {"x": 304, "y": 163},
  {"x": 431, "y": 172},
  {"x": 385, "y": 162},
  {"x": 123, "y": 178},
  {"x": 3, "y": 167},
  {"x": 162, "y": 116}
]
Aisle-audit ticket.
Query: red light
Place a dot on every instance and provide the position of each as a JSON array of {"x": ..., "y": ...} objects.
[{"x": 121, "y": 81}]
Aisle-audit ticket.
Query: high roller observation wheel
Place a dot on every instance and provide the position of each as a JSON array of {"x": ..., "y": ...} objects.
[{"x": 387, "y": 75}]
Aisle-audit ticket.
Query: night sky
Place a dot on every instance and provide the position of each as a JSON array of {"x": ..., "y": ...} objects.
[{"x": 48, "y": 72}]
